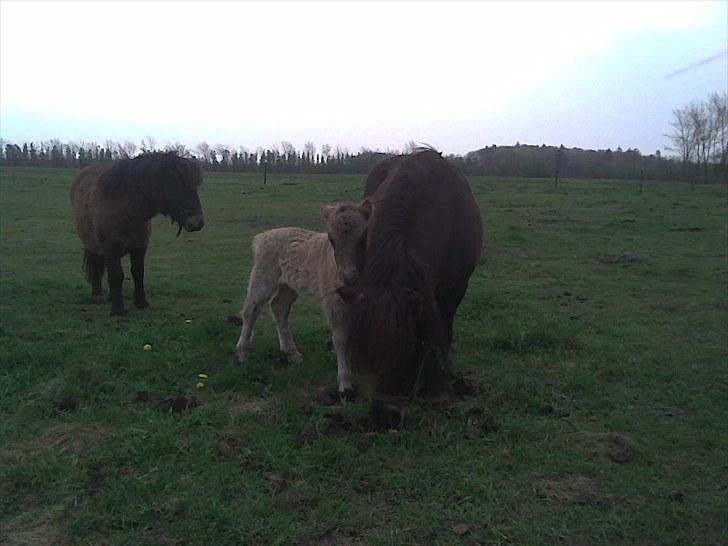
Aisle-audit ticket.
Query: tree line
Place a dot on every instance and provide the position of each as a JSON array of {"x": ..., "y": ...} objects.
[{"x": 699, "y": 136}]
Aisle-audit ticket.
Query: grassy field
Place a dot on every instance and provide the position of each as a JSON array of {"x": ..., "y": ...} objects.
[{"x": 595, "y": 331}]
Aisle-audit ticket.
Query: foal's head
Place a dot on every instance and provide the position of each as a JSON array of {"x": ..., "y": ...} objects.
[{"x": 346, "y": 225}]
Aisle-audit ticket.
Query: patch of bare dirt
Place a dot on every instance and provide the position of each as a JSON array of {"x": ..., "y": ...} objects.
[
  {"x": 625, "y": 257},
  {"x": 178, "y": 404},
  {"x": 62, "y": 438},
  {"x": 31, "y": 531},
  {"x": 248, "y": 405},
  {"x": 569, "y": 490},
  {"x": 344, "y": 536},
  {"x": 618, "y": 447},
  {"x": 579, "y": 490}
]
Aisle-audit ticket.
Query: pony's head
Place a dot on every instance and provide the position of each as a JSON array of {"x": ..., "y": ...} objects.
[
  {"x": 179, "y": 179},
  {"x": 346, "y": 225},
  {"x": 391, "y": 331}
]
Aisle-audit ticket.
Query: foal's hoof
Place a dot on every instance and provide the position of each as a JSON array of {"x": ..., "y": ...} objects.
[
  {"x": 118, "y": 312},
  {"x": 96, "y": 299},
  {"x": 141, "y": 304}
]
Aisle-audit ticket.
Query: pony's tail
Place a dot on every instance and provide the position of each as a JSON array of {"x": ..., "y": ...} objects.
[{"x": 93, "y": 265}]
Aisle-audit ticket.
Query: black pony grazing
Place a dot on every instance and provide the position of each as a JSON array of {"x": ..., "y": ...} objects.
[
  {"x": 423, "y": 243},
  {"x": 113, "y": 206}
]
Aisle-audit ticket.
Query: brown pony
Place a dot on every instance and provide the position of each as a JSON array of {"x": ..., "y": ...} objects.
[
  {"x": 424, "y": 240},
  {"x": 113, "y": 206}
]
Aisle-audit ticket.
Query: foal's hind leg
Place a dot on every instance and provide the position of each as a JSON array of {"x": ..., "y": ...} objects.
[
  {"x": 137, "y": 273},
  {"x": 260, "y": 291},
  {"x": 280, "y": 306}
]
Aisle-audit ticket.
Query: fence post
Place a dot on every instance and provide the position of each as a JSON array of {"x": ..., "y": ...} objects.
[
  {"x": 642, "y": 178},
  {"x": 265, "y": 171}
]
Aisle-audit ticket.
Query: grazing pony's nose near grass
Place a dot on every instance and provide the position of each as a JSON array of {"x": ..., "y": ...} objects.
[{"x": 194, "y": 222}]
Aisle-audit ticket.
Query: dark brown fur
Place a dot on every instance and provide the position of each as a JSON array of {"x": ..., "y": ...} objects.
[
  {"x": 424, "y": 241},
  {"x": 113, "y": 206}
]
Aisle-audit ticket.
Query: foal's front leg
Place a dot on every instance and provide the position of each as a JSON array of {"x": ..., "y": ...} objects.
[
  {"x": 137, "y": 273},
  {"x": 116, "y": 279},
  {"x": 280, "y": 306},
  {"x": 346, "y": 391}
]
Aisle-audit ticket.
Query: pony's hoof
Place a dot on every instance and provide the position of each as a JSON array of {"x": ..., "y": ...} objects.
[
  {"x": 96, "y": 299},
  {"x": 141, "y": 304},
  {"x": 241, "y": 356},
  {"x": 387, "y": 415},
  {"x": 118, "y": 312}
]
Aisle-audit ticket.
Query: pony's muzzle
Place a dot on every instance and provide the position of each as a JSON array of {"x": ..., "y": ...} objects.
[{"x": 194, "y": 222}]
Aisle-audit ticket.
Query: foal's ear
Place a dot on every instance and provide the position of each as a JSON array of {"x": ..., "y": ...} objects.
[
  {"x": 367, "y": 207},
  {"x": 327, "y": 212}
]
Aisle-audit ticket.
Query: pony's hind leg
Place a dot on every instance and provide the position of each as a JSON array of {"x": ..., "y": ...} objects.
[
  {"x": 260, "y": 291},
  {"x": 116, "y": 279},
  {"x": 93, "y": 264},
  {"x": 280, "y": 306},
  {"x": 137, "y": 273}
]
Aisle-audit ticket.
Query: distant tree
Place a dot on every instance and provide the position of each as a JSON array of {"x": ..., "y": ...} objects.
[
  {"x": 718, "y": 113},
  {"x": 149, "y": 144},
  {"x": 681, "y": 138},
  {"x": 128, "y": 149}
]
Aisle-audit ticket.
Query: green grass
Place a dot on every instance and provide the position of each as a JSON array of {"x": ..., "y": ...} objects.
[{"x": 600, "y": 416}]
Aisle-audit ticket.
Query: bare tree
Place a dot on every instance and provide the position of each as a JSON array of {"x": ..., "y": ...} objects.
[
  {"x": 203, "y": 148},
  {"x": 718, "y": 112},
  {"x": 178, "y": 148},
  {"x": 326, "y": 151},
  {"x": 410, "y": 147},
  {"x": 681, "y": 137},
  {"x": 702, "y": 135},
  {"x": 149, "y": 144},
  {"x": 128, "y": 149}
]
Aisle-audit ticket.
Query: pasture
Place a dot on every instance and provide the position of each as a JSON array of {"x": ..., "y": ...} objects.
[{"x": 593, "y": 335}]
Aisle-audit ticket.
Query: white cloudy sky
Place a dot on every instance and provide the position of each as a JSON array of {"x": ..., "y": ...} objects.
[{"x": 458, "y": 76}]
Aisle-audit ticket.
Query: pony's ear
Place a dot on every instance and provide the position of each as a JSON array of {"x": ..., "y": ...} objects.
[
  {"x": 349, "y": 294},
  {"x": 327, "y": 211},
  {"x": 366, "y": 207}
]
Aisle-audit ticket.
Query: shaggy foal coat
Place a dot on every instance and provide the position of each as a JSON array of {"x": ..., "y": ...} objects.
[{"x": 289, "y": 262}]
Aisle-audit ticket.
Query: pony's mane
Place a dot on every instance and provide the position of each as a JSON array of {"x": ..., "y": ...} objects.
[
  {"x": 388, "y": 261},
  {"x": 148, "y": 172},
  {"x": 392, "y": 323}
]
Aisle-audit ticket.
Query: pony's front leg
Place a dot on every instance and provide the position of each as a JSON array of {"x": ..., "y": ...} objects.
[
  {"x": 137, "y": 273},
  {"x": 116, "y": 279}
]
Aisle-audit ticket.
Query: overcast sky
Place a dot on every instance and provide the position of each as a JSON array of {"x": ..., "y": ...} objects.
[{"x": 458, "y": 76}]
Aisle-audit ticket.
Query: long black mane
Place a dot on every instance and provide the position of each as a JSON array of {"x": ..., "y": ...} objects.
[
  {"x": 149, "y": 170},
  {"x": 393, "y": 323},
  {"x": 155, "y": 177}
]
